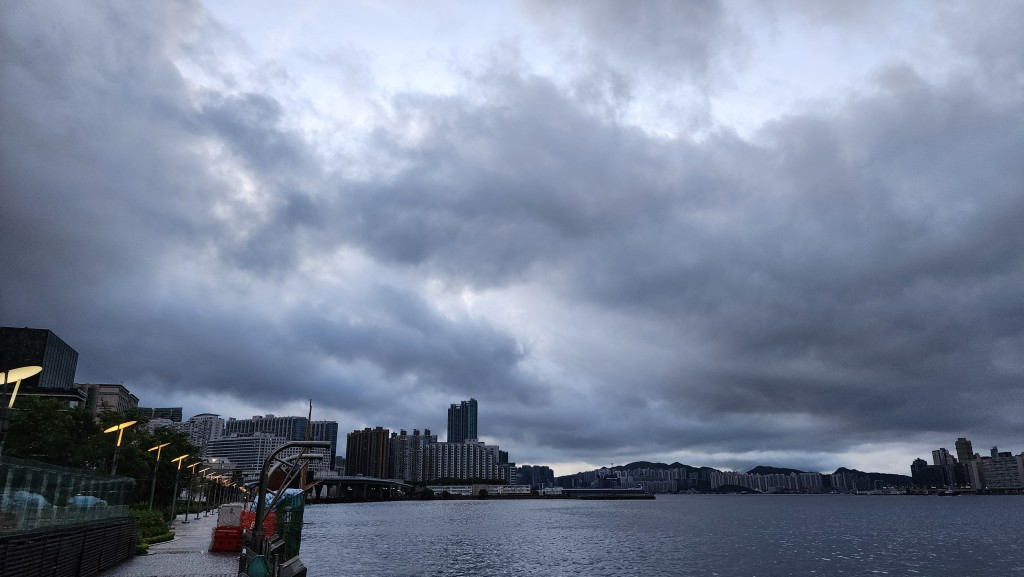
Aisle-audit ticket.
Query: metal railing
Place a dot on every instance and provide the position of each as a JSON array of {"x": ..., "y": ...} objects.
[{"x": 38, "y": 496}]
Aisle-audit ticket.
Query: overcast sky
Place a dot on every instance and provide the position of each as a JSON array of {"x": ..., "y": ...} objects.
[{"x": 721, "y": 233}]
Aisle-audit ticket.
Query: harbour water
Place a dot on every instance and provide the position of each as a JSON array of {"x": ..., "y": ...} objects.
[{"x": 701, "y": 535}]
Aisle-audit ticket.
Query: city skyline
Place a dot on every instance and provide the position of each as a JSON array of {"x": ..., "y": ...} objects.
[
  {"x": 462, "y": 416},
  {"x": 719, "y": 232}
]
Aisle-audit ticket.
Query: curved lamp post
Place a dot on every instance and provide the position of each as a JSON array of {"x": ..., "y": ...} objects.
[
  {"x": 152, "y": 487},
  {"x": 293, "y": 466},
  {"x": 120, "y": 434},
  {"x": 177, "y": 475}
]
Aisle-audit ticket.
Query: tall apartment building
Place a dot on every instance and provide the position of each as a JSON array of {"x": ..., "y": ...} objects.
[
  {"x": 406, "y": 454},
  {"x": 246, "y": 454},
  {"x": 102, "y": 398},
  {"x": 366, "y": 453},
  {"x": 204, "y": 428},
  {"x": 172, "y": 414},
  {"x": 326, "y": 431},
  {"x": 288, "y": 428},
  {"x": 964, "y": 450},
  {"x": 22, "y": 347},
  {"x": 462, "y": 422},
  {"x": 469, "y": 460},
  {"x": 942, "y": 457},
  {"x": 536, "y": 476},
  {"x": 1003, "y": 470},
  {"x": 291, "y": 428}
]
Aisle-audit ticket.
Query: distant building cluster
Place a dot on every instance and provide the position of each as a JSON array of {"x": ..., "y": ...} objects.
[
  {"x": 239, "y": 445},
  {"x": 242, "y": 445},
  {"x": 420, "y": 457},
  {"x": 660, "y": 478},
  {"x": 969, "y": 471}
]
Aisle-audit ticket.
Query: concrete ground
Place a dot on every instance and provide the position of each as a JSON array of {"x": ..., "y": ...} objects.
[{"x": 187, "y": 554}]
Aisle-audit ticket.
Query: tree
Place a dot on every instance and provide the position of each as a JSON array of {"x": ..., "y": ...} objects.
[{"x": 49, "y": 431}]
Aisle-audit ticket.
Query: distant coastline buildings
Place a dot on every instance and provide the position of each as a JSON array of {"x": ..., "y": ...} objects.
[
  {"x": 969, "y": 471},
  {"x": 419, "y": 458},
  {"x": 243, "y": 444}
]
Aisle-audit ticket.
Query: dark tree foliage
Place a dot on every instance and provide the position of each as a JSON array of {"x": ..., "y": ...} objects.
[{"x": 49, "y": 431}]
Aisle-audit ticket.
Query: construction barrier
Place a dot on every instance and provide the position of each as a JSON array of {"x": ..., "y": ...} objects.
[
  {"x": 226, "y": 540},
  {"x": 269, "y": 522}
]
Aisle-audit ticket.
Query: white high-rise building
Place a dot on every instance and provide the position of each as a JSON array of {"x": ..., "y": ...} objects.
[
  {"x": 469, "y": 460},
  {"x": 203, "y": 428},
  {"x": 249, "y": 452}
]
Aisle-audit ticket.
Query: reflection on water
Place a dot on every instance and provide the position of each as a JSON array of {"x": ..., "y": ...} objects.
[{"x": 673, "y": 535}]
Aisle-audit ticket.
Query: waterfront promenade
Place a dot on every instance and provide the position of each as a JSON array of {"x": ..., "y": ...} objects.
[{"x": 187, "y": 554}]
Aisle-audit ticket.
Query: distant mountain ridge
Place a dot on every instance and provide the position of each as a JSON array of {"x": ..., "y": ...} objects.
[
  {"x": 766, "y": 470},
  {"x": 886, "y": 479}
]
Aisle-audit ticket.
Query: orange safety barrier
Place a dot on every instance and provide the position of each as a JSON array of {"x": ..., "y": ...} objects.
[
  {"x": 269, "y": 522},
  {"x": 226, "y": 540}
]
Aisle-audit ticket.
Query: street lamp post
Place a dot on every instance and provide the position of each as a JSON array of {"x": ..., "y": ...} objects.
[
  {"x": 188, "y": 494},
  {"x": 120, "y": 434},
  {"x": 14, "y": 376},
  {"x": 213, "y": 484},
  {"x": 202, "y": 477},
  {"x": 156, "y": 466},
  {"x": 177, "y": 475}
]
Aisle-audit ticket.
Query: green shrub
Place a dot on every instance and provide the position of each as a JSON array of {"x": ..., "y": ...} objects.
[
  {"x": 159, "y": 538},
  {"x": 148, "y": 523}
]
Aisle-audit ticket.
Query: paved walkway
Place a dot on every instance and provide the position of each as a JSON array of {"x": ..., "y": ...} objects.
[{"x": 187, "y": 554}]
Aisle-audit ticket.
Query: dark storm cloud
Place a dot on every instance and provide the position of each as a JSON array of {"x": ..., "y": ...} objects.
[
  {"x": 132, "y": 236},
  {"x": 859, "y": 266},
  {"x": 841, "y": 277}
]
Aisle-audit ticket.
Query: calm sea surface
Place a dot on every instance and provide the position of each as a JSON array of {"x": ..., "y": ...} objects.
[{"x": 673, "y": 535}]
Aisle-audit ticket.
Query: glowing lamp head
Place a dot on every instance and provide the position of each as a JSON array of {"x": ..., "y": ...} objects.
[
  {"x": 157, "y": 449},
  {"x": 120, "y": 430},
  {"x": 16, "y": 376}
]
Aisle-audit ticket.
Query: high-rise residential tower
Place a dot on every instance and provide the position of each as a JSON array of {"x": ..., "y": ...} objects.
[
  {"x": 942, "y": 457},
  {"x": 203, "y": 428},
  {"x": 366, "y": 453},
  {"x": 964, "y": 450},
  {"x": 462, "y": 422}
]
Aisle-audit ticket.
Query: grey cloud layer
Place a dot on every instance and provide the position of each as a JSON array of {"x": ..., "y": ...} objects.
[{"x": 841, "y": 277}]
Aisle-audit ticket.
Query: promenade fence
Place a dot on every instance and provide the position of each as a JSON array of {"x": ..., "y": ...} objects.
[{"x": 36, "y": 496}]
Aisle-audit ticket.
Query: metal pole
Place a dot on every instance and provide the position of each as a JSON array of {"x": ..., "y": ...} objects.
[
  {"x": 174, "y": 498},
  {"x": 113, "y": 468},
  {"x": 188, "y": 497},
  {"x": 199, "y": 491},
  {"x": 152, "y": 487},
  {"x": 177, "y": 475}
]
